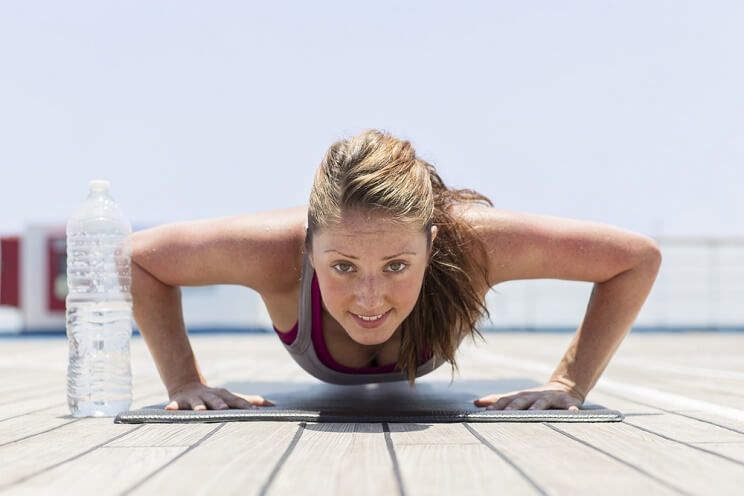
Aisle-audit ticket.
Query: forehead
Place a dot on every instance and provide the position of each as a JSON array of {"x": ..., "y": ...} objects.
[{"x": 359, "y": 227}]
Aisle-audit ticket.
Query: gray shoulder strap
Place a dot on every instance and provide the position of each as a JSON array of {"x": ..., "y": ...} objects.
[{"x": 304, "y": 319}]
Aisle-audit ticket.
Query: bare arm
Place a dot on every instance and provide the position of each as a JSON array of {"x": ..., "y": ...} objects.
[
  {"x": 622, "y": 264},
  {"x": 259, "y": 251},
  {"x": 613, "y": 307},
  {"x": 158, "y": 313}
]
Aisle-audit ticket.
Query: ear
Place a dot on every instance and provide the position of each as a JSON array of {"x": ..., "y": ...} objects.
[{"x": 434, "y": 231}]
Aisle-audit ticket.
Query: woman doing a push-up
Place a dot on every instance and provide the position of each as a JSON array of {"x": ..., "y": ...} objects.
[{"x": 383, "y": 275}]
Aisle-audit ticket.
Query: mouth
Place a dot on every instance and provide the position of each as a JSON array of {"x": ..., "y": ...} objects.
[{"x": 370, "y": 321}]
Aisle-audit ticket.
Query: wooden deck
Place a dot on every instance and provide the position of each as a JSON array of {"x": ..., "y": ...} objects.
[{"x": 682, "y": 394}]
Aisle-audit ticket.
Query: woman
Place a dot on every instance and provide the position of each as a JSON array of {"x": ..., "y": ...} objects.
[{"x": 383, "y": 275}]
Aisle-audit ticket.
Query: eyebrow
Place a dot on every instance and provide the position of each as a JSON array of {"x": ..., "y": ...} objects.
[{"x": 383, "y": 258}]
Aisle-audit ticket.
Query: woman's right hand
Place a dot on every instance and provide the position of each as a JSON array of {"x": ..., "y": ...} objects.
[{"x": 197, "y": 396}]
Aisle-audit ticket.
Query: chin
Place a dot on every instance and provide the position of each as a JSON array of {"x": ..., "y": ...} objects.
[
  {"x": 370, "y": 337},
  {"x": 367, "y": 339}
]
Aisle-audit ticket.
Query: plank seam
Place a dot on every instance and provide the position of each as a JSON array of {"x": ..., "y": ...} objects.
[
  {"x": 394, "y": 458},
  {"x": 39, "y": 433},
  {"x": 684, "y": 443},
  {"x": 618, "y": 459},
  {"x": 32, "y": 395},
  {"x": 55, "y": 405},
  {"x": 172, "y": 460},
  {"x": 72, "y": 458},
  {"x": 604, "y": 384},
  {"x": 280, "y": 463},
  {"x": 672, "y": 412},
  {"x": 503, "y": 456}
]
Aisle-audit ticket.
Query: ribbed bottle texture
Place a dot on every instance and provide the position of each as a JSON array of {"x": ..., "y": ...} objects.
[{"x": 99, "y": 307}]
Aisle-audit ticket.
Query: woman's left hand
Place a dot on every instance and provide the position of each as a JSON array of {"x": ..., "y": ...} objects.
[{"x": 553, "y": 395}]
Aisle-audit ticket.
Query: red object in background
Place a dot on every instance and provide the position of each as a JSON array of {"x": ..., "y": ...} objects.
[
  {"x": 10, "y": 271},
  {"x": 57, "y": 273}
]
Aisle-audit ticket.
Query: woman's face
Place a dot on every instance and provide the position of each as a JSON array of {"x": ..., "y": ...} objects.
[{"x": 370, "y": 271}]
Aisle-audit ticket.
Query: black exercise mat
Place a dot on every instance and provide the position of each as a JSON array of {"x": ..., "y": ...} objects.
[{"x": 432, "y": 401}]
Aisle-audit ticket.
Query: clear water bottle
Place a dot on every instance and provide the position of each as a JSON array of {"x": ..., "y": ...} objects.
[{"x": 99, "y": 306}]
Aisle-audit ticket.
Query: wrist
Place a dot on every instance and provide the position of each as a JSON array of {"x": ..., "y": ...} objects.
[
  {"x": 569, "y": 386},
  {"x": 180, "y": 385}
]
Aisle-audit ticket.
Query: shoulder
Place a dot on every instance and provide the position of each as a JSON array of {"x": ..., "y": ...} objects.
[
  {"x": 262, "y": 251},
  {"x": 477, "y": 218},
  {"x": 277, "y": 238}
]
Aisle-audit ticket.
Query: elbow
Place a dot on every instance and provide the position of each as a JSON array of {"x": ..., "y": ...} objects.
[
  {"x": 649, "y": 252},
  {"x": 136, "y": 247}
]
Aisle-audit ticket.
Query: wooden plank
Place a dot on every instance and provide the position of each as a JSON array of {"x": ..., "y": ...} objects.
[
  {"x": 103, "y": 471},
  {"x": 429, "y": 466},
  {"x": 20, "y": 380},
  {"x": 683, "y": 429},
  {"x": 677, "y": 465},
  {"x": 56, "y": 402},
  {"x": 338, "y": 459},
  {"x": 551, "y": 460},
  {"x": 12, "y": 429},
  {"x": 718, "y": 390},
  {"x": 168, "y": 441},
  {"x": 707, "y": 425},
  {"x": 163, "y": 436},
  {"x": 238, "y": 458},
  {"x": 447, "y": 449},
  {"x": 30, "y": 393},
  {"x": 34, "y": 455},
  {"x": 661, "y": 398},
  {"x": 18, "y": 428},
  {"x": 698, "y": 350},
  {"x": 242, "y": 456},
  {"x": 147, "y": 383}
]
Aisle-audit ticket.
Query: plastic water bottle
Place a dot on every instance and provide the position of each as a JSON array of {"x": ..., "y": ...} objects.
[{"x": 99, "y": 306}]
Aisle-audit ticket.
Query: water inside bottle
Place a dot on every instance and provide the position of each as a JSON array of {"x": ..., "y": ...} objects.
[{"x": 99, "y": 373}]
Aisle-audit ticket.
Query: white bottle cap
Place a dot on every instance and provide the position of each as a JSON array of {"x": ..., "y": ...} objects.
[{"x": 99, "y": 185}]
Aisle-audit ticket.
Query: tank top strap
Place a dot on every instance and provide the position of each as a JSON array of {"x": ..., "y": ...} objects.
[{"x": 304, "y": 314}]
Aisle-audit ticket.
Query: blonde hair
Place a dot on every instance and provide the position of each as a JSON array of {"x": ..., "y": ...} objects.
[{"x": 376, "y": 171}]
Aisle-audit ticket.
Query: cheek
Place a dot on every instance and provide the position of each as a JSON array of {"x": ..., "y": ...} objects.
[
  {"x": 336, "y": 294},
  {"x": 407, "y": 291}
]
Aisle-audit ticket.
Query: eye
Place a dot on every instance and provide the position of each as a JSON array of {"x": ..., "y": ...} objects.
[
  {"x": 342, "y": 265},
  {"x": 401, "y": 266}
]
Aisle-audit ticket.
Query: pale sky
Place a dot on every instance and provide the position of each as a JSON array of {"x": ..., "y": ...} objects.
[{"x": 628, "y": 113}]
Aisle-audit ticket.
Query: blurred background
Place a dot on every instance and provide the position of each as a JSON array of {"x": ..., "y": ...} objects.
[{"x": 626, "y": 113}]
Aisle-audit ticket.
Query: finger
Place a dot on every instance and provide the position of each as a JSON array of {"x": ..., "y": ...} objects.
[
  {"x": 232, "y": 400},
  {"x": 237, "y": 402},
  {"x": 573, "y": 408},
  {"x": 486, "y": 400},
  {"x": 518, "y": 404},
  {"x": 493, "y": 398},
  {"x": 196, "y": 404},
  {"x": 258, "y": 400},
  {"x": 540, "y": 404},
  {"x": 500, "y": 403},
  {"x": 179, "y": 404},
  {"x": 214, "y": 402}
]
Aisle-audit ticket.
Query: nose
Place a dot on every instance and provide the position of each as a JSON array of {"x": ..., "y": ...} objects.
[{"x": 369, "y": 294}]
